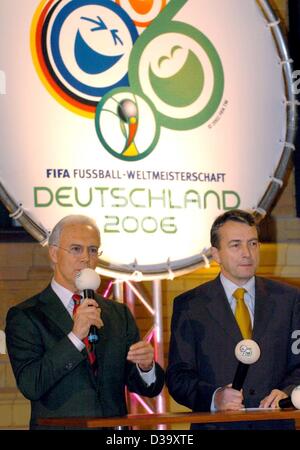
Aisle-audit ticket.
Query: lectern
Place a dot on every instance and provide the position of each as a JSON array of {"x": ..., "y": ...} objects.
[{"x": 142, "y": 420}]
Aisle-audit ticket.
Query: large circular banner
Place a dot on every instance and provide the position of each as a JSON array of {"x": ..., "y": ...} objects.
[{"x": 151, "y": 116}]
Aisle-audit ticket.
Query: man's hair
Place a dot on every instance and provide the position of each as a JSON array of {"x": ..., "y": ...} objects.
[
  {"x": 234, "y": 215},
  {"x": 72, "y": 219}
]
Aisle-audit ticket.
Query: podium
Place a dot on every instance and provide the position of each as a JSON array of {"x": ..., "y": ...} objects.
[{"x": 142, "y": 420}]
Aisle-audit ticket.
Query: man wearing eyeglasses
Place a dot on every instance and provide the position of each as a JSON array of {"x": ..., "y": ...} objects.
[{"x": 45, "y": 339}]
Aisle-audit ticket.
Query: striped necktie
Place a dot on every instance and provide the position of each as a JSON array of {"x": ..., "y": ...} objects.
[
  {"x": 242, "y": 314},
  {"x": 89, "y": 347}
]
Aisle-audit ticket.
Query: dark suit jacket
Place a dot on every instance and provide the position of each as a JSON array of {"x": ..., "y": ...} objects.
[
  {"x": 56, "y": 377},
  {"x": 204, "y": 333}
]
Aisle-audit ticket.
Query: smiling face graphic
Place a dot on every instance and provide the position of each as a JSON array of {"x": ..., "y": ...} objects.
[
  {"x": 184, "y": 86},
  {"x": 91, "y": 61},
  {"x": 82, "y": 50}
]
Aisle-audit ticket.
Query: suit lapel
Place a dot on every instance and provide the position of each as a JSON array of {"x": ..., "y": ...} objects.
[
  {"x": 219, "y": 308},
  {"x": 52, "y": 307},
  {"x": 264, "y": 307}
]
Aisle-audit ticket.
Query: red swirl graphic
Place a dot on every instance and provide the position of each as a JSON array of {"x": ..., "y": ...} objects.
[{"x": 142, "y": 7}]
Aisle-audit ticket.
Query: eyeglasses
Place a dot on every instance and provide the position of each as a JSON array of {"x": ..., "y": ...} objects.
[{"x": 77, "y": 250}]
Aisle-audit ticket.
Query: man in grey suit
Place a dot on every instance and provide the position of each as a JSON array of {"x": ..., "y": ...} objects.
[
  {"x": 45, "y": 341},
  {"x": 204, "y": 331}
]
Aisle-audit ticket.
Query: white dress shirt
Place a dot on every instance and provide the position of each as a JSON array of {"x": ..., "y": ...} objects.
[
  {"x": 65, "y": 297},
  {"x": 249, "y": 297}
]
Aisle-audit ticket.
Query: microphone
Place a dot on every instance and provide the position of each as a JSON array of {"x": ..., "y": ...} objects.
[
  {"x": 247, "y": 352},
  {"x": 292, "y": 401},
  {"x": 87, "y": 280}
]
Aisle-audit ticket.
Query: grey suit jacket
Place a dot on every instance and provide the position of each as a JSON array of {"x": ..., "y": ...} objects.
[
  {"x": 204, "y": 334},
  {"x": 56, "y": 377}
]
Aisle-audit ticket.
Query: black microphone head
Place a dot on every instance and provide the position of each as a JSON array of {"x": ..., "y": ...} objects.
[
  {"x": 87, "y": 279},
  {"x": 247, "y": 351},
  {"x": 285, "y": 403}
]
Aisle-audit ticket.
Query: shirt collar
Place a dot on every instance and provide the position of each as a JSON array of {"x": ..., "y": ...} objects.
[
  {"x": 230, "y": 287},
  {"x": 63, "y": 294}
]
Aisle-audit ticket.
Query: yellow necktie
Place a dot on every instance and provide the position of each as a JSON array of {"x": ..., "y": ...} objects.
[{"x": 242, "y": 314}]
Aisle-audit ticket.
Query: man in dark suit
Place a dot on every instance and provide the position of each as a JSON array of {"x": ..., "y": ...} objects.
[
  {"x": 45, "y": 341},
  {"x": 204, "y": 331}
]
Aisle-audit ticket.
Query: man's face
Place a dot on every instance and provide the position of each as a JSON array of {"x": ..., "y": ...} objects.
[
  {"x": 238, "y": 254},
  {"x": 67, "y": 265}
]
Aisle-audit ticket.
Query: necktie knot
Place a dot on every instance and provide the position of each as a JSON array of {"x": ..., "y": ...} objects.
[
  {"x": 239, "y": 294},
  {"x": 76, "y": 299}
]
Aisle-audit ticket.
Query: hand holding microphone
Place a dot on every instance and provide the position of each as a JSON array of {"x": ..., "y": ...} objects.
[
  {"x": 247, "y": 352},
  {"x": 229, "y": 397},
  {"x": 87, "y": 280}
]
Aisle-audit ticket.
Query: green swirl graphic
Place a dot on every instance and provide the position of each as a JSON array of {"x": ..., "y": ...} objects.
[{"x": 185, "y": 87}]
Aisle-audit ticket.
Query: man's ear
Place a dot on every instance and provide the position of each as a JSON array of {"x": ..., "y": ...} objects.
[
  {"x": 53, "y": 254},
  {"x": 215, "y": 254}
]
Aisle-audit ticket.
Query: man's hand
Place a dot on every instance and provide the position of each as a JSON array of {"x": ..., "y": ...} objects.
[
  {"x": 141, "y": 353},
  {"x": 271, "y": 401},
  {"x": 87, "y": 314},
  {"x": 227, "y": 398}
]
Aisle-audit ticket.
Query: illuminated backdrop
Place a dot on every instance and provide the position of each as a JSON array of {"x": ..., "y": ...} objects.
[{"x": 151, "y": 116}]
